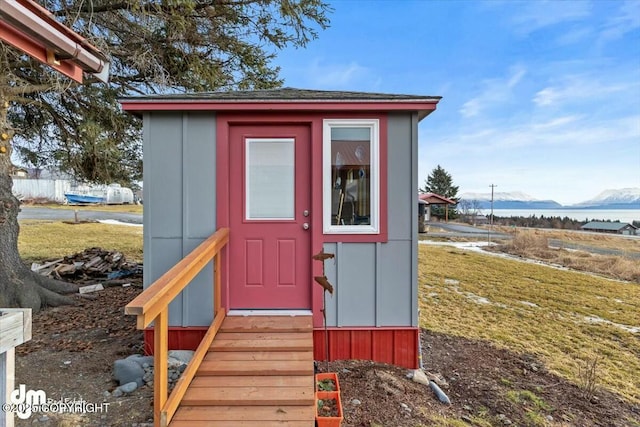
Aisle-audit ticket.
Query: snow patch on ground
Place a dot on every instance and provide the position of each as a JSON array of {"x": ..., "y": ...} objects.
[
  {"x": 600, "y": 320},
  {"x": 530, "y": 304},
  {"x": 115, "y": 222}
]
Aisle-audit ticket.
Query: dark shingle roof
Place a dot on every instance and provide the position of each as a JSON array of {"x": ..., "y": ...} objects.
[
  {"x": 284, "y": 95},
  {"x": 604, "y": 225}
]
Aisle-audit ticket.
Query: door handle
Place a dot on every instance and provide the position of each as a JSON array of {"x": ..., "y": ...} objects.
[{"x": 305, "y": 226}]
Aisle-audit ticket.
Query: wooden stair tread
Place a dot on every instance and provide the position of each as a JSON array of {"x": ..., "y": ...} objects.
[
  {"x": 262, "y": 336},
  {"x": 253, "y": 381},
  {"x": 263, "y": 345},
  {"x": 258, "y": 372},
  {"x": 248, "y": 396},
  {"x": 244, "y": 413},
  {"x": 255, "y": 367},
  {"x": 267, "y": 324},
  {"x": 259, "y": 355},
  {"x": 252, "y": 423}
]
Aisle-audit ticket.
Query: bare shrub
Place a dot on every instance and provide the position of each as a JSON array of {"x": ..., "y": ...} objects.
[
  {"x": 588, "y": 376},
  {"x": 523, "y": 242}
]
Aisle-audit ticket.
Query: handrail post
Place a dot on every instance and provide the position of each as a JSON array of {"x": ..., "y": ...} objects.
[
  {"x": 160, "y": 350},
  {"x": 217, "y": 285}
]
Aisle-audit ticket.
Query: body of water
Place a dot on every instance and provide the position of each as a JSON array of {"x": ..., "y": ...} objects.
[{"x": 622, "y": 215}]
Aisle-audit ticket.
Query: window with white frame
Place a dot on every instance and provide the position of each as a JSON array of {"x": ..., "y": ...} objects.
[{"x": 351, "y": 176}]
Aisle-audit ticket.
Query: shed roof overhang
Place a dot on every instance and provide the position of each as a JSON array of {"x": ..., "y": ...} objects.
[
  {"x": 32, "y": 29},
  {"x": 283, "y": 100}
]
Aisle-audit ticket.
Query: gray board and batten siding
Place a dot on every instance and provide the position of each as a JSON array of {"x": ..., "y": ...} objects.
[
  {"x": 376, "y": 283},
  {"x": 180, "y": 204}
]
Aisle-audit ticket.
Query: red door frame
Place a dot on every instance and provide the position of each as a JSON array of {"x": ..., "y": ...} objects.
[
  {"x": 270, "y": 233},
  {"x": 224, "y": 120}
]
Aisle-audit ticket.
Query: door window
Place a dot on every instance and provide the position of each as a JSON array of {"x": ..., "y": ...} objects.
[{"x": 269, "y": 179}]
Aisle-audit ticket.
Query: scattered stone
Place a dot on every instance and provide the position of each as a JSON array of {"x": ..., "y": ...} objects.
[
  {"x": 504, "y": 420},
  {"x": 345, "y": 371},
  {"x": 184, "y": 356},
  {"x": 106, "y": 394},
  {"x": 468, "y": 408},
  {"x": 418, "y": 375},
  {"x": 117, "y": 392},
  {"x": 466, "y": 419},
  {"x": 129, "y": 387},
  {"x": 405, "y": 407},
  {"x": 126, "y": 371},
  {"x": 356, "y": 402}
]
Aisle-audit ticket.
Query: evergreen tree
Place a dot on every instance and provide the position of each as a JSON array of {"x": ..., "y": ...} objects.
[
  {"x": 154, "y": 47},
  {"x": 440, "y": 182}
]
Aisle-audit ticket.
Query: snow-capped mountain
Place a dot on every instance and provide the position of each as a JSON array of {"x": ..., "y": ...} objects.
[
  {"x": 511, "y": 200},
  {"x": 623, "y": 198}
]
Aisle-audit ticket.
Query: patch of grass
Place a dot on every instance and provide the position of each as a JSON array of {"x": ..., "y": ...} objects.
[
  {"x": 527, "y": 398},
  {"x": 102, "y": 208},
  {"x": 447, "y": 421},
  {"x": 535, "y": 309},
  {"x": 42, "y": 240},
  {"x": 535, "y": 244}
]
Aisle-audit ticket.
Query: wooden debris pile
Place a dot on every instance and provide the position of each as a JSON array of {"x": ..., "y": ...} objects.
[{"x": 91, "y": 265}]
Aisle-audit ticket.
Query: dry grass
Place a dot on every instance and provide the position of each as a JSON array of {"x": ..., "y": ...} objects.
[
  {"x": 41, "y": 240},
  {"x": 80, "y": 208},
  {"x": 534, "y": 244},
  {"x": 561, "y": 316}
]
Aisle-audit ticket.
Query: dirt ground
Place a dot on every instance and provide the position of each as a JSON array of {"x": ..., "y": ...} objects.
[{"x": 73, "y": 349}]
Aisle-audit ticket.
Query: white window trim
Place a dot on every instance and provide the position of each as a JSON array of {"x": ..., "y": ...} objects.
[{"x": 374, "y": 126}]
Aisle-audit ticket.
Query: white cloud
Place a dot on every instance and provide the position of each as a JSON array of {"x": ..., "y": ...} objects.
[
  {"x": 335, "y": 76},
  {"x": 536, "y": 15},
  {"x": 574, "y": 88},
  {"x": 626, "y": 20},
  {"x": 495, "y": 92}
]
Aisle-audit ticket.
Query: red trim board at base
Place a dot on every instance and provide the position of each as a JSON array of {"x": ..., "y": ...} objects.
[{"x": 397, "y": 346}]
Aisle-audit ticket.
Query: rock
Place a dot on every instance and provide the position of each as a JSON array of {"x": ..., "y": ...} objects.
[
  {"x": 504, "y": 420},
  {"x": 437, "y": 378},
  {"x": 129, "y": 387},
  {"x": 419, "y": 376},
  {"x": 141, "y": 360},
  {"x": 345, "y": 371},
  {"x": 117, "y": 392},
  {"x": 173, "y": 363},
  {"x": 466, "y": 419},
  {"x": 127, "y": 370},
  {"x": 405, "y": 407},
  {"x": 107, "y": 393},
  {"x": 184, "y": 356},
  {"x": 356, "y": 402}
]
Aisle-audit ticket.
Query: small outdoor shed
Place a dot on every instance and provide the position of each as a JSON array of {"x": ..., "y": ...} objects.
[{"x": 290, "y": 172}]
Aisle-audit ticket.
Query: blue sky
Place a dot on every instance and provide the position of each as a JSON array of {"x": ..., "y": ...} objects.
[{"x": 539, "y": 96}]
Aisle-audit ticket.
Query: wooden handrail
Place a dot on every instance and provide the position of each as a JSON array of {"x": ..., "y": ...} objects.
[{"x": 152, "y": 305}]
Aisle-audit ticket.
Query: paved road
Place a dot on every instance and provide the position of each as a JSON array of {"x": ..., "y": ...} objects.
[
  {"x": 28, "y": 212},
  {"x": 459, "y": 230}
]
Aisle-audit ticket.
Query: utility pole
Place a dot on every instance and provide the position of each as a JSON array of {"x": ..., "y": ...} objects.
[
  {"x": 492, "y": 187},
  {"x": 491, "y": 219}
]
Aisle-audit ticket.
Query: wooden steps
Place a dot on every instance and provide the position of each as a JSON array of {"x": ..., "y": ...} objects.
[{"x": 258, "y": 372}]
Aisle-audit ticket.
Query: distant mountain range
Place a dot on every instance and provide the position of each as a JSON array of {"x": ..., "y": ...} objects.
[{"x": 625, "y": 198}]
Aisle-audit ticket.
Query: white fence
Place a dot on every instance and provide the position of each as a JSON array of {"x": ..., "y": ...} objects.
[{"x": 52, "y": 189}]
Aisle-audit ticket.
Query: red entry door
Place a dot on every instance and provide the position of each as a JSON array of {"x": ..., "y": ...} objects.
[{"x": 270, "y": 212}]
